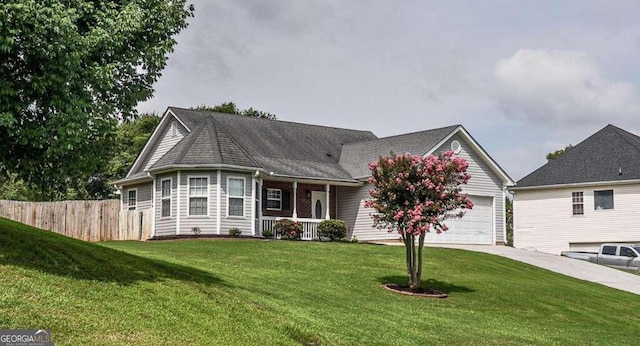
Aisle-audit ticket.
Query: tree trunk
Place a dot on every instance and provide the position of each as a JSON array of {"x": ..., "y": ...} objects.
[
  {"x": 419, "y": 269},
  {"x": 407, "y": 244},
  {"x": 414, "y": 282}
]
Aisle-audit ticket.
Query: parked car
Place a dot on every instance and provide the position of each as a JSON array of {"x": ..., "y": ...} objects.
[{"x": 620, "y": 256}]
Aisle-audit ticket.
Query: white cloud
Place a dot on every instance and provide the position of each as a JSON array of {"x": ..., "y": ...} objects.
[{"x": 562, "y": 87}]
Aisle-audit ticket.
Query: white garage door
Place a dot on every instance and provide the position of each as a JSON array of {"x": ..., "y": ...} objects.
[{"x": 475, "y": 227}]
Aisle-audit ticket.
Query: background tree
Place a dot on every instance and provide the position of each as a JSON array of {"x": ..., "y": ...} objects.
[
  {"x": 509, "y": 220},
  {"x": 554, "y": 155},
  {"x": 231, "y": 108},
  {"x": 114, "y": 162},
  {"x": 414, "y": 195},
  {"x": 70, "y": 71}
]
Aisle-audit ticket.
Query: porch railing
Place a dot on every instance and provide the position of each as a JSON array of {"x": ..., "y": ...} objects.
[{"x": 309, "y": 226}]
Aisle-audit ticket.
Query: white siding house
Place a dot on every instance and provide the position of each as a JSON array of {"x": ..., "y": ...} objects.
[
  {"x": 203, "y": 173},
  {"x": 545, "y": 219},
  {"x": 587, "y": 196}
]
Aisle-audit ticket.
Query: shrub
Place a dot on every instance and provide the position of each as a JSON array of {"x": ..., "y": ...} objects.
[
  {"x": 236, "y": 232},
  {"x": 267, "y": 233},
  {"x": 288, "y": 229},
  {"x": 196, "y": 230},
  {"x": 332, "y": 229}
]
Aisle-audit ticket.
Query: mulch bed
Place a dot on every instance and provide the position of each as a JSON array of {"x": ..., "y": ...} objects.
[{"x": 419, "y": 292}]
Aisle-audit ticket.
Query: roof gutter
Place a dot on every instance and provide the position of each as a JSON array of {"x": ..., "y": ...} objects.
[
  {"x": 569, "y": 185},
  {"x": 125, "y": 181},
  {"x": 209, "y": 166},
  {"x": 314, "y": 180},
  {"x": 258, "y": 172}
]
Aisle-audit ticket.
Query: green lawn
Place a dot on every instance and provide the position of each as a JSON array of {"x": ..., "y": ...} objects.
[{"x": 248, "y": 292}]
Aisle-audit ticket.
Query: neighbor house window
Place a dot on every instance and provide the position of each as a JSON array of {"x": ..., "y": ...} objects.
[
  {"x": 603, "y": 199},
  {"x": 132, "y": 199},
  {"x": 274, "y": 199},
  {"x": 165, "y": 187},
  {"x": 235, "y": 196},
  {"x": 577, "y": 199},
  {"x": 198, "y": 196}
]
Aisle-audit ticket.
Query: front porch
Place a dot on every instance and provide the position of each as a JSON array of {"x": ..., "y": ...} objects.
[{"x": 306, "y": 203}]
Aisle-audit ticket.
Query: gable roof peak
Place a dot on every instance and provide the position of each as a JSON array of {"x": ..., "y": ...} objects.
[{"x": 598, "y": 158}]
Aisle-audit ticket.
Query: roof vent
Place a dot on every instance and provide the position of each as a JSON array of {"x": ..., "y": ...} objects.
[
  {"x": 329, "y": 155},
  {"x": 619, "y": 170},
  {"x": 456, "y": 147}
]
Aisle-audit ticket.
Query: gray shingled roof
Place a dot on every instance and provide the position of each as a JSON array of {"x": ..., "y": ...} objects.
[
  {"x": 357, "y": 156},
  {"x": 285, "y": 148},
  {"x": 599, "y": 158}
]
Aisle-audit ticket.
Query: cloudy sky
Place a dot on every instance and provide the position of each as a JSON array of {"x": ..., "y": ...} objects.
[{"x": 523, "y": 77}]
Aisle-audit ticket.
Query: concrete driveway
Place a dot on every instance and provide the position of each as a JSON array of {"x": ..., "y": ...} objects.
[{"x": 578, "y": 269}]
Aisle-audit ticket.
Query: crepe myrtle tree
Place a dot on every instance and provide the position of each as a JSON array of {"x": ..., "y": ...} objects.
[{"x": 414, "y": 195}]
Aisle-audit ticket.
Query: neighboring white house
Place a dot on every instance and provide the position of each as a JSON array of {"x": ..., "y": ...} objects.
[
  {"x": 587, "y": 196},
  {"x": 214, "y": 171}
]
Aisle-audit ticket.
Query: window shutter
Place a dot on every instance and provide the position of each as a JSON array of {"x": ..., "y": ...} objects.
[
  {"x": 264, "y": 198},
  {"x": 286, "y": 200}
]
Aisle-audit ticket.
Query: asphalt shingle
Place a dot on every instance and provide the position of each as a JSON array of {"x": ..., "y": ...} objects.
[
  {"x": 611, "y": 154},
  {"x": 356, "y": 157}
]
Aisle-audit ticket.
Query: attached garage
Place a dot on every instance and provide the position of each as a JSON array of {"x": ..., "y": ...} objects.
[
  {"x": 482, "y": 225},
  {"x": 474, "y": 228}
]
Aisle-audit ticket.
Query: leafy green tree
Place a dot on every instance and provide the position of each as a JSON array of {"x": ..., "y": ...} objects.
[
  {"x": 231, "y": 108},
  {"x": 509, "y": 219},
  {"x": 70, "y": 71},
  {"x": 114, "y": 162},
  {"x": 554, "y": 155}
]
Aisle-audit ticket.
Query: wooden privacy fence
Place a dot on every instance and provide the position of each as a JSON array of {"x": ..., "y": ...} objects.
[{"x": 84, "y": 220}]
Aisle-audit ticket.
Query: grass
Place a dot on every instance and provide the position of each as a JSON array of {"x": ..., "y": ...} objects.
[{"x": 245, "y": 292}]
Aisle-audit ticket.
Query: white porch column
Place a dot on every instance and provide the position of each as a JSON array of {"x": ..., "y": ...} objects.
[
  {"x": 260, "y": 194},
  {"x": 178, "y": 204},
  {"x": 295, "y": 200},
  {"x": 253, "y": 206},
  {"x": 327, "y": 188},
  {"x": 218, "y": 202}
]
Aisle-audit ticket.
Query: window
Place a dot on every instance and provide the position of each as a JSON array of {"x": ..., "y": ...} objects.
[
  {"x": 577, "y": 199},
  {"x": 132, "y": 199},
  {"x": 165, "y": 187},
  {"x": 274, "y": 199},
  {"x": 603, "y": 199},
  {"x": 198, "y": 196},
  {"x": 609, "y": 250},
  {"x": 235, "y": 197}
]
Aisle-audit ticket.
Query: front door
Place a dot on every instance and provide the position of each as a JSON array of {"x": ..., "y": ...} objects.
[{"x": 318, "y": 204}]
